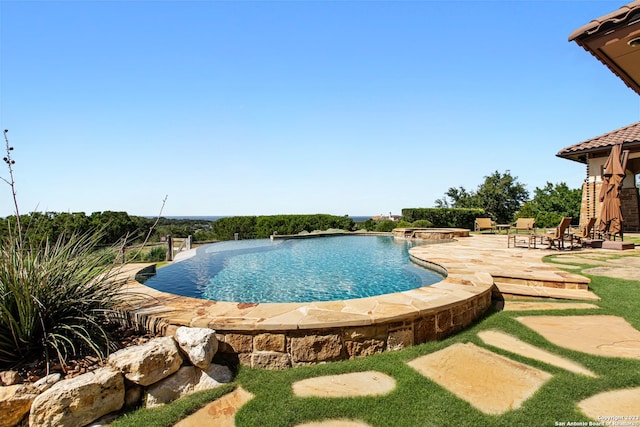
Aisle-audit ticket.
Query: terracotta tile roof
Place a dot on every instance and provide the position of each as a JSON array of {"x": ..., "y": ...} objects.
[
  {"x": 628, "y": 135},
  {"x": 605, "y": 22},
  {"x": 610, "y": 39}
]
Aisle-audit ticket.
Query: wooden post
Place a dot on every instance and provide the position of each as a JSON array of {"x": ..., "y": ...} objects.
[{"x": 169, "y": 248}]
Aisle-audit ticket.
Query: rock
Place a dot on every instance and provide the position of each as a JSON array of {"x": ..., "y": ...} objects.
[
  {"x": 316, "y": 348},
  {"x": 187, "y": 380},
  {"x": 15, "y": 402},
  {"x": 148, "y": 363},
  {"x": 10, "y": 378},
  {"x": 270, "y": 360},
  {"x": 400, "y": 339},
  {"x": 239, "y": 343},
  {"x": 45, "y": 383},
  {"x": 364, "y": 348},
  {"x": 199, "y": 344},
  {"x": 79, "y": 401},
  {"x": 270, "y": 342}
]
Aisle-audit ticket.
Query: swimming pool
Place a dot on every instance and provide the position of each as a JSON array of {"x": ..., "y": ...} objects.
[{"x": 295, "y": 270}]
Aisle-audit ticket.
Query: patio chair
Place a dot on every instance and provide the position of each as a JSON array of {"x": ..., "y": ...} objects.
[
  {"x": 586, "y": 233},
  {"x": 482, "y": 224},
  {"x": 524, "y": 224},
  {"x": 557, "y": 239}
]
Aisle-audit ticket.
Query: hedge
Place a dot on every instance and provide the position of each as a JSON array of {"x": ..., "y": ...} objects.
[
  {"x": 444, "y": 217},
  {"x": 258, "y": 227}
]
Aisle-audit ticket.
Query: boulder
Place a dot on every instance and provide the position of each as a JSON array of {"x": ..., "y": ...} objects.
[
  {"x": 187, "y": 380},
  {"x": 199, "y": 344},
  {"x": 45, "y": 383},
  {"x": 15, "y": 402},
  {"x": 10, "y": 378},
  {"x": 79, "y": 401},
  {"x": 148, "y": 363}
]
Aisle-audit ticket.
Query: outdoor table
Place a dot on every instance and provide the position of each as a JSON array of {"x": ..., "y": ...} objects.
[
  {"x": 504, "y": 227},
  {"x": 519, "y": 240}
]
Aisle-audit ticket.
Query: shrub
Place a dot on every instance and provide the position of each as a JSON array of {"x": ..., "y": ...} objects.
[
  {"x": 368, "y": 225},
  {"x": 55, "y": 298},
  {"x": 225, "y": 228},
  {"x": 403, "y": 224},
  {"x": 385, "y": 225},
  {"x": 157, "y": 253},
  {"x": 133, "y": 255},
  {"x": 422, "y": 223},
  {"x": 251, "y": 227}
]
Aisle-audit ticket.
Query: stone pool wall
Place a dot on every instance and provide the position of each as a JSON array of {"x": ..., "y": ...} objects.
[{"x": 281, "y": 349}]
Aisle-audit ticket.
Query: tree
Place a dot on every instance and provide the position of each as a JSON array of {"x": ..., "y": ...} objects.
[
  {"x": 551, "y": 203},
  {"x": 113, "y": 225},
  {"x": 500, "y": 195}
]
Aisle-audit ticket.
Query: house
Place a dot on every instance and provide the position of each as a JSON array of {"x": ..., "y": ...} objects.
[
  {"x": 389, "y": 217},
  {"x": 613, "y": 39},
  {"x": 593, "y": 153}
]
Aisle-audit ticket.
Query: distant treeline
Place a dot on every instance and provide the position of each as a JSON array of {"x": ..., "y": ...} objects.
[
  {"x": 114, "y": 226},
  {"x": 257, "y": 227}
]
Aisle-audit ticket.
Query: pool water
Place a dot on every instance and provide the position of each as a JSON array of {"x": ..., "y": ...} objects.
[{"x": 295, "y": 270}]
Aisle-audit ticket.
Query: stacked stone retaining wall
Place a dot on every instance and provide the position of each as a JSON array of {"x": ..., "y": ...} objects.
[{"x": 291, "y": 348}]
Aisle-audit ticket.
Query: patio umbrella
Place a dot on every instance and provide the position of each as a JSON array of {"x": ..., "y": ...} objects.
[{"x": 610, "y": 214}]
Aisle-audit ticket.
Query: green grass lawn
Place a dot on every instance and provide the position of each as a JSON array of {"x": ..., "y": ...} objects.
[{"x": 417, "y": 401}]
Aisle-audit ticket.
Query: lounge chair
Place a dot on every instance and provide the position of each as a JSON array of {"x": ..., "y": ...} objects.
[
  {"x": 523, "y": 224},
  {"x": 482, "y": 224},
  {"x": 586, "y": 233},
  {"x": 559, "y": 236}
]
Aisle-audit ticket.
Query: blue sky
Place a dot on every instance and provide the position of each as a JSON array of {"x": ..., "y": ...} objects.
[{"x": 271, "y": 107}]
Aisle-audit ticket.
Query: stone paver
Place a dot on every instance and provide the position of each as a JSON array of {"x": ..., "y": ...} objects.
[
  {"x": 544, "y": 292},
  {"x": 369, "y": 383},
  {"x": 490, "y": 382},
  {"x": 626, "y": 273},
  {"x": 545, "y": 305},
  {"x": 617, "y": 407},
  {"x": 514, "y": 345},
  {"x": 609, "y": 336},
  {"x": 220, "y": 413}
]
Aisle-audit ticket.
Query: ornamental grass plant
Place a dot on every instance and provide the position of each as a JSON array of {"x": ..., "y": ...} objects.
[{"x": 56, "y": 298}]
